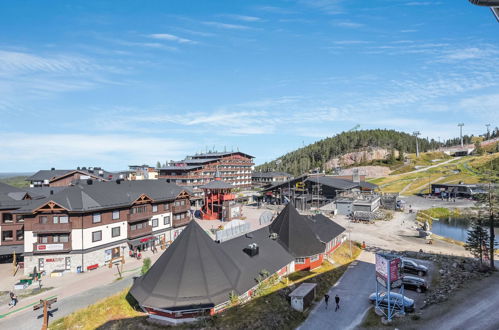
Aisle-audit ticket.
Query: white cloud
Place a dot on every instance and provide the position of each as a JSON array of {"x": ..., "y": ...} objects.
[
  {"x": 171, "y": 37},
  {"x": 62, "y": 150},
  {"x": 331, "y": 7},
  {"x": 244, "y": 18},
  {"x": 227, "y": 26},
  {"x": 348, "y": 24}
]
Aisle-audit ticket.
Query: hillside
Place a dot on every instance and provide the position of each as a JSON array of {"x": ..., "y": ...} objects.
[
  {"x": 470, "y": 169},
  {"x": 366, "y": 147},
  {"x": 16, "y": 181}
]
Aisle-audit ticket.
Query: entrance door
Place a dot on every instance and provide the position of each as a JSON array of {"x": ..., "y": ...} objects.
[
  {"x": 41, "y": 264},
  {"x": 68, "y": 263}
]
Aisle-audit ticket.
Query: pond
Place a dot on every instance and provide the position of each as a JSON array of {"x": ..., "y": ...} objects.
[{"x": 455, "y": 228}]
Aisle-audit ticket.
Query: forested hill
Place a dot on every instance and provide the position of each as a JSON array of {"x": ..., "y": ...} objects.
[{"x": 316, "y": 154}]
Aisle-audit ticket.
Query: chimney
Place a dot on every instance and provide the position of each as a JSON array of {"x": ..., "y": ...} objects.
[
  {"x": 252, "y": 249},
  {"x": 51, "y": 192},
  {"x": 52, "y": 169}
]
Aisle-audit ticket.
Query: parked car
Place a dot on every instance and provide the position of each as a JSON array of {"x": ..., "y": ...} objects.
[
  {"x": 414, "y": 283},
  {"x": 410, "y": 266},
  {"x": 395, "y": 298}
]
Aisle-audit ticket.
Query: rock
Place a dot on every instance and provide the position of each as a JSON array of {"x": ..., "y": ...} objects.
[{"x": 454, "y": 265}]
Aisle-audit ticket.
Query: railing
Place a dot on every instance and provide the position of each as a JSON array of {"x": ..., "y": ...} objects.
[
  {"x": 51, "y": 247},
  {"x": 181, "y": 222},
  {"x": 181, "y": 208},
  {"x": 147, "y": 229},
  {"x": 139, "y": 216},
  {"x": 52, "y": 227}
]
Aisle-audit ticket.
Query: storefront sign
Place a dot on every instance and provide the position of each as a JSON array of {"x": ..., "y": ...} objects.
[
  {"x": 383, "y": 266},
  {"x": 53, "y": 260},
  {"x": 49, "y": 247},
  {"x": 143, "y": 240}
]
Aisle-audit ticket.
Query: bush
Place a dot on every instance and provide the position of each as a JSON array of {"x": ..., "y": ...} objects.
[{"x": 145, "y": 266}]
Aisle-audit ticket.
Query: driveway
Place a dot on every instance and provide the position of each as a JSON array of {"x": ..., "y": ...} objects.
[{"x": 353, "y": 288}]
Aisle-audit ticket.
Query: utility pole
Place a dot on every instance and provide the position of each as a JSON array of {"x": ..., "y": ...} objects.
[
  {"x": 45, "y": 304},
  {"x": 416, "y": 133},
  {"x": 488, "y": 131},
  {"x": 461, "y": 133}
]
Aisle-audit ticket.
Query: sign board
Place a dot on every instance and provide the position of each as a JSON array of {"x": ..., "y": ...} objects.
[
  {"x": 49, "y": 247},
  {"x": 385, "y": 265}
]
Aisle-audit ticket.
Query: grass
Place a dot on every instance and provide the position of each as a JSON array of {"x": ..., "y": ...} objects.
[
  {"x": 16, "y": 181},
  {"x": 270, "y": 310}
]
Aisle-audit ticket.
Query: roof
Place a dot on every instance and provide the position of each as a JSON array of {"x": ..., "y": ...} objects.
[
  {"x": 336, "y": 183},
  {"x": 53, "y": 174},
  {"x": 47, "y": 175},
  {"x": 325, "y": 228},
  {"x": 272, "y": 257},
  {"x": 219, "y": 154},
  {"x": 194, "y": 271},
  {"x": 179, "y": 168},
  {"x": 303, "y": 290},
  {"x": 269, "y": 174},
  {"x": 217, "y": 184},
  {"x": 44, "y": 191},
  {"x": 101, "y": 195},
  {"x": 199, "y": 161},
  {"x": 295, "y": 233},
  {"x": 368, "y": 185},
  {"x": 12, "y": 197}
]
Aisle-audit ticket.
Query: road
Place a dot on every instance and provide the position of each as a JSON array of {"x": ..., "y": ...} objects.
[
  {"x": 28, "y": 320},
  {"x": 353, "y": 288},
  {"x": 472, "y": 308},
  {"x": 428, "y": 167}
]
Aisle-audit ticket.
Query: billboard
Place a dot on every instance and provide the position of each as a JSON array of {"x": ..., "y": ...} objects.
[
  {"x": 388, "y": 267},
  {"x": 49, "y": 247}
]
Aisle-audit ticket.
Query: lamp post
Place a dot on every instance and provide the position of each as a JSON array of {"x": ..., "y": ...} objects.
[{"x": 461, "y": 133}]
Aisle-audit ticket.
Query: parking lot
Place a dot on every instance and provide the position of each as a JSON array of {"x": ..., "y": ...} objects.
[{"x": 420, "y": 297}]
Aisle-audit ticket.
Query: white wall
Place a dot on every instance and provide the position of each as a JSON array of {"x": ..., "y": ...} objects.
[
  {"x": 160, "y": 221},
  {"x": 106, "y": 235},
  {"x": 29, "y": 239}
]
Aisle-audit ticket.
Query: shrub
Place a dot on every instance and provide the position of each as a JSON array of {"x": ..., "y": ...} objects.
[{"x": 146, "y": 264}]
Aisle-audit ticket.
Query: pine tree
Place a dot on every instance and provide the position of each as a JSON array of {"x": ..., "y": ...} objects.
[
  {"x": 158, "y": 164},
  {"x": 478, "y": 240}
]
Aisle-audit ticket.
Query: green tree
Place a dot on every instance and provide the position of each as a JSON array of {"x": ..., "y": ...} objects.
[
  {"x": 478, "y": 240},
  {"x": 478, "y": 148},
  {"x": 146, "y": 264},
  {"x": 158, "y": 164}
]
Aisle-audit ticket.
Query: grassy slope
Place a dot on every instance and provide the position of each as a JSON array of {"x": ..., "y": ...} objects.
[
  {"x": 469, "y": 169},
  {"x": 16, "y": 181},
  {"x": 271, "y": 310}
]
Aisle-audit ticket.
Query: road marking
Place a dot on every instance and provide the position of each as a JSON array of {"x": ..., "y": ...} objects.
[{"x": 23, "y": 308}]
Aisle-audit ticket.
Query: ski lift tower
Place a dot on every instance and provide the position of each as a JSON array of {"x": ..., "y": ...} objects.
[{"x": 388, "y": 277}]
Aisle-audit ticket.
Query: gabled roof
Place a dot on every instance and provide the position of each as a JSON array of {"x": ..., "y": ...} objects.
[
  {"x": 295, "y": 233},
  {"x": 217, "y": 184},
  {"x": 55, "y": 174},
  {"x": 325, "y": 228},
  {"x": 335, "y": 183},
  {"x": 102, "y": 195},
  {"x": 220, "y": 154},
  {"x": 193, "y": 272},
  {"x": 270, "y": 174},
  {"x": 12, "y": 197}
]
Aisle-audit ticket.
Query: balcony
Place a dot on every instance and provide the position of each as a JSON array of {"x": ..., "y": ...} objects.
[
  {"x": 146, "y": 230},
  {"x": 52, "y": 227},
  {"x": 51, "y": 247},
  {"x": 181, "y": 208},
  {"x": 136, "y": 217},
  {"x": 181, "y": 222}
]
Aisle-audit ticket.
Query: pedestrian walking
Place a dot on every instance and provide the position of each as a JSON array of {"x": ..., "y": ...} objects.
[
  {"x": 337, "y": 300},
  {"x": 39, "y": 284},
  {"x": 13, "y": 299},
  {"x": 326, "y": 299}
]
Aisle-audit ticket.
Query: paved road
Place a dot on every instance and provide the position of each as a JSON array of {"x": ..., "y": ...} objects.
[
  {"x": 474, "y": 308},
  {"x": 353, "y": 288},
  {"x": 27, "y": 320}
]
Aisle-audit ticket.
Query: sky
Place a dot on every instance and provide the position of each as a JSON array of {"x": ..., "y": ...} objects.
[{"x": 113, "y": 83}]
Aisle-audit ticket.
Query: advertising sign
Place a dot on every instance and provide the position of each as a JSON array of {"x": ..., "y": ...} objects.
[
  {"x": 385, "y": 265},
  {"x": 49, "y": 247}
]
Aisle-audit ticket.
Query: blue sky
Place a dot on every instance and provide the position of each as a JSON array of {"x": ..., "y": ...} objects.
[{"x": 111, "y": 83}]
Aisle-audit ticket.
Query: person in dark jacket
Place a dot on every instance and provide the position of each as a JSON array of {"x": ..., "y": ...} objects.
[
  {"x": 326, "y": 299},
  {"x": 337, "y": 300}
]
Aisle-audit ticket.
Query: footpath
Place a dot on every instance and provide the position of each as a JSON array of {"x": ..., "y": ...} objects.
[
  {"x": 353, "y": 288},
  {"x": 72, "y": 285}
]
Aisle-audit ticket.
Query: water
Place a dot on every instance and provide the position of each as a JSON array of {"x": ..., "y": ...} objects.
[{"x": 455, "y": 228}]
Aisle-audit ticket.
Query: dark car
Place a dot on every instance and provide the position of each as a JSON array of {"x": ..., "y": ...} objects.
[
  {"x": 409, "y": 266},
  {"x": 414, "y": 283},
  {"x": 395, "y": 298}
]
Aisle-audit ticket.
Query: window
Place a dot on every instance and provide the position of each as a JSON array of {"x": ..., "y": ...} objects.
[
  {"x": 20, "y": 235},
  {"x": 177, "y": 203},
  {"x": 138, "y": 209},
  {"x": 43, "y": 219},
  {"x": 155, "y": 208},
  {"x": 116, "y": 231},
  {"x": 7, "y": 235},
  {"x": 140, "y": 225},
  {"x": 182, "y": 202},
  {"x": 133, "y": 227},
  {"x": 166, "y": 220},
  {"x": 55, "y": 239},
  {"x": 166, "y": 206},
  {"x": 44, "y": 239},
  {"x": 299, "y": 260},
  {"x": 20, "y": 218},
  {"x": 7, "y": 217},
  {"x": 97, "y": 236},
  {"x": 64, "y": 238},
  {"x": 314, "y": 258},
  {"x": 63, "y": 219},
  {"x": 116, "y": 215},
  {"x": 96, "y": 218},
  {"x": 154, "y": 223}
]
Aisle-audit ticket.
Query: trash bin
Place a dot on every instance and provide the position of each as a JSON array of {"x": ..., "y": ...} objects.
[{"x": 78, "y": 269}]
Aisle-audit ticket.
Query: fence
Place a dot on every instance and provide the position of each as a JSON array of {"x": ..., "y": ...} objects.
[{"x": 233, "y": 229}]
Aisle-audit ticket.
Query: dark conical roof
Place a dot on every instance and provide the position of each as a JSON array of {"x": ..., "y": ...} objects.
[
  {"x": 296, "y": 234},
  {"x": 193, "y": 271}
]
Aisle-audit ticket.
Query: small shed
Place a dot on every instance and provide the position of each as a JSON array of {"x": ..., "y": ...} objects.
[{"x": 302, "y": 296}]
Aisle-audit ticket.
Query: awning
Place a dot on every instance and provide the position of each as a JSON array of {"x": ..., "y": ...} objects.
[
  {"x": 9, "y": 249},
  {"x": 140, "y": 240}
]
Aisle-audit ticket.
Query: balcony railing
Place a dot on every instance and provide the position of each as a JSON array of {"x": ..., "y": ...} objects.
[
  {"x": 135, "y": 217},
  {"x": 139, "y": 232},
  {"x": 181, "y": 222},
  {"x": 51, "y": 247},
  {"x": 52, "y": 227},
  {"x": 181, "y": 208}
]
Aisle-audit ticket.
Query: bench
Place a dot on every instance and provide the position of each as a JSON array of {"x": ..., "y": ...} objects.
[{"x": 92, "y": 267}]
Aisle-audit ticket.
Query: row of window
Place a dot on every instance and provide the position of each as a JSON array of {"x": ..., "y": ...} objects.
[
  {"x": 8, "y": 235},
  {"x": 97, "y": 235},
  {"x": 55, "y": 219},
  {"x": 302, "y": 260},
  {"x": 62, "y": 238}
]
